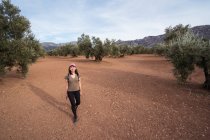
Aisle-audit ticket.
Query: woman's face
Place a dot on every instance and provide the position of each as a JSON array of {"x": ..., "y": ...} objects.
[{"x": 72, "y": 68}]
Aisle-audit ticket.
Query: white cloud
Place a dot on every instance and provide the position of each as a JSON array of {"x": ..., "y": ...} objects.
[{"x": 65, "y": 20}]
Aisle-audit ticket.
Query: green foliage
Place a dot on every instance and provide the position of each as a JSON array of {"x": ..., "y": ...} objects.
[
  {"x": 85, "y": 45},
  {"x": 107, "y": 47},
  {"x": 74, "y": 51},
  {"x": 182, "y": 61},
  {"x": 160, "y": 49},
  {"x": 141, "y": 50},
  {"x": 203, "y": 59},
  {"x": 112, "y": 49},
  {"x": 185, "y": 50},
  {"x": 52, "y": 52},
  {"x": 172, "y": 33},
  {"x": 98, "y": 48},
  {"x": 125, "y": 50},
  {"x": 138, "y": 49},
  {"x": 65, "y": 50},
  {"x": 115, "y": 51},
  {"x": 182, "y": 54},
  {"x": 18, "y": 47}
]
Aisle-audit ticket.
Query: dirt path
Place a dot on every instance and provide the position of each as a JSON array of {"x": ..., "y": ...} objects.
[{"x": 135, "y": 97}]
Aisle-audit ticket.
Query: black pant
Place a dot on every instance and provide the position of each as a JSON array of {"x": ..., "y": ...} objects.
[{"x": 74, "y": 97}]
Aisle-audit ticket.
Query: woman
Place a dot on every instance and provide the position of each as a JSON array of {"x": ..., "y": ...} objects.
[{"x": 73, "y": 88}]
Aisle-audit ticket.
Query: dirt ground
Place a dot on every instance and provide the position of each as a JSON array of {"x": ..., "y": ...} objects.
[{"x": 135, "y": 97}]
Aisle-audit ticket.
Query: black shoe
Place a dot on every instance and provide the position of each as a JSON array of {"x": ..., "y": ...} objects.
[{"x": 75, "y": 119}]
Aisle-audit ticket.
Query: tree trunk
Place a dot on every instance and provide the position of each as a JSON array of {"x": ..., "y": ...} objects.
[
  {"x": 206, "y": 84},
  {"x": 208, "y": 81}
]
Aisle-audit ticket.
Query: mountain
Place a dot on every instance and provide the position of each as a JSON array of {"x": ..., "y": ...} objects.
[
  {"x": 203, "y": 31},
  {"x": 50, "y": 45},
  {"x": 150, "y": 41}
]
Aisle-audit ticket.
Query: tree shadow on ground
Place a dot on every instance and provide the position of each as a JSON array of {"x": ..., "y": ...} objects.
[
  {"x": 11, "y": 77},
  {"x": 50, "y": 100},
  {"x": 77, "y": 60},
  {"x": 12, "y": 74}
]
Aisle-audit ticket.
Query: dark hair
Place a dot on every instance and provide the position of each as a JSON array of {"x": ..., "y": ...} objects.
[{"x": 76, "y": 71}]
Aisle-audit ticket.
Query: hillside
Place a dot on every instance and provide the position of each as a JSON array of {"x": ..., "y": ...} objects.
[
  {"x": 50, "y": 45},
  {"x": 149, "y": 41}
]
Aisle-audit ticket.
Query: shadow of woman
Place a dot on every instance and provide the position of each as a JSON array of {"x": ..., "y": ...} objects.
[{"x": 50, "y": 100}]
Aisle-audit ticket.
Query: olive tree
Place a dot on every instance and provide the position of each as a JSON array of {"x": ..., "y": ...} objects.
[
  {"x": 18, "y": 46},
  {"x": 85, "y": 46},
  {"x": 98, "y": 48},
  {"x": 185, "y": 50}
]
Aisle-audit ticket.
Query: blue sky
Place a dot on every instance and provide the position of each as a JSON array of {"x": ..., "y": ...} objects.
[{"x": 62, "y": 21}]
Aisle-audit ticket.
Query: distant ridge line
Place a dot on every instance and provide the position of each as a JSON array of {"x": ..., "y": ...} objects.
[{"x": 148, "y": 41}]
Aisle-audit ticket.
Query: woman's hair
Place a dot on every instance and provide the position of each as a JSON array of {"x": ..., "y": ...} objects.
[{"x": 76, "y": 71}]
